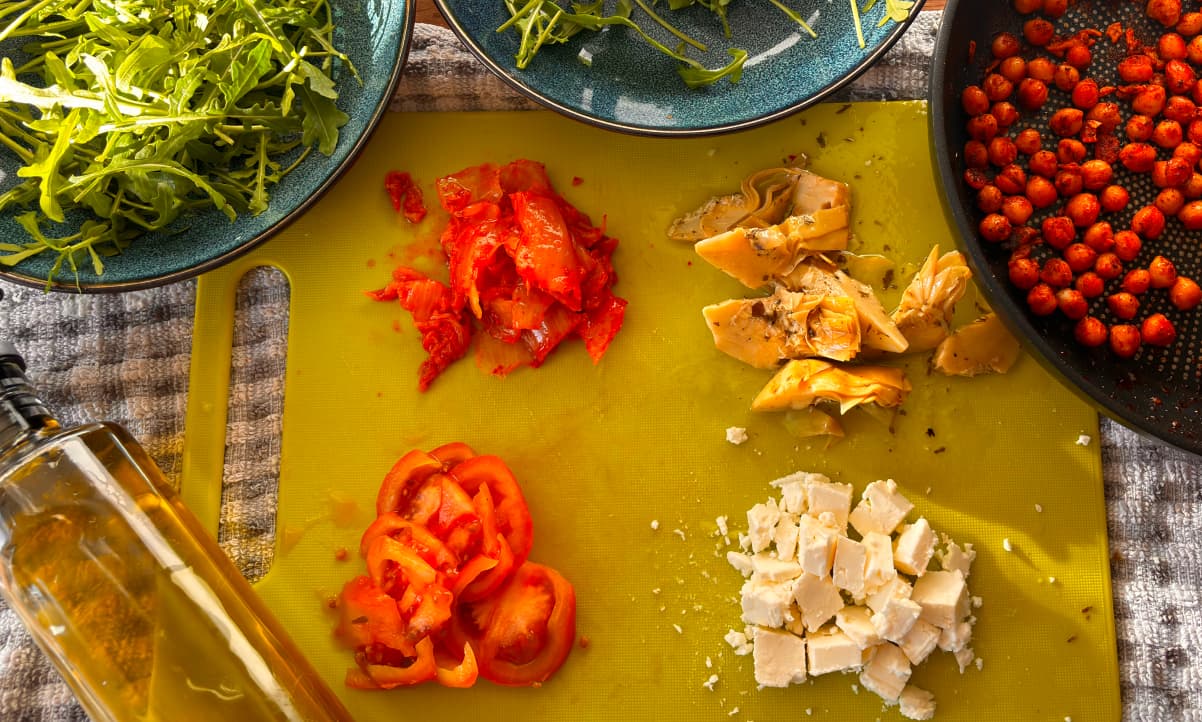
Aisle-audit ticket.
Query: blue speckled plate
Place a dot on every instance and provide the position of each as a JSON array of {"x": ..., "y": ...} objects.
[
  {"x": 375, "y": 35},
  {"x": 633, "y": 88}
]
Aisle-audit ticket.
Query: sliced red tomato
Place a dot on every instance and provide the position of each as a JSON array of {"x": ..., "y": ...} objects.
[
  {"x": 531, "y": 628},
  {"x": 513, "y": 516},
  {"x": 414, "y": 536},
  {"x": 459, "y": 674},
  {"x": 452, "y": 453},
  {"x": 391, "y": 671},
  {"x": 404, "y": 478},
  {"x": 368, "y": 615}
]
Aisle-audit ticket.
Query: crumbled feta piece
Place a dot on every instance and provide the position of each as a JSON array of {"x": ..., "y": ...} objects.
[
  {"x": 815, "y": 546},
  {"x": 761, "y": 523},
  {"x": 785, "y": 538},
  {"x": 818, "y": 600},
  {"x": 856, "y": 623},
  {"x": 745, "y": 542},
  {"x": 827, "y": 496},
  {"x": 734, "y": 711},
  {"x": 774, "y": 570},
  {"x": 678, "y": 628},
  {"x": 1083, "y": 440},
  {"x": 882, "y": 507},
  {"x": 964, "y": 658},
  {"x": 896, "y": 587},
  {"x": 887, "y": 672},
  {"x": 847, "y": 569},
  {"x": 780, "y": 658},
  {"x": 878, "y": 569},
  {"x": 738, "y": 642},
  {"x": 741, "y": 562},
  {"x": 766, "y": 603},
  {"x": 914, "y": 547},
  {"x": 955, "y": 637},
  {"x": 722, "y": 528},
  {"x": 1039, "y": 507},
  {"x": 709, "y": 683},
  {"x": 792, "y": 493},
  {"x": 916, "y": 703},
  {"x": 895, "y": 619},
  {"x": 920, "y": 641},
  {"x": 953, "y": 557},
  {"x": 832, "y": 652},
  {"x": 709, "y": 663},
  {"x": 736, "y": 435},
  {"x": 654, "y": 524},
  {"x": 1007, "y": 545},
  {"x": 943, "y": 596}
]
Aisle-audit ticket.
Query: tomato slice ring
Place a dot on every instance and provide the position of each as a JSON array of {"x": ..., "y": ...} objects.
[
  {"x": 403, "y": 480},
  {"x": 415, "y": 536},
  {"x": 459, "y": 675},
  {"x": 367, "y": 615},
  {"x": 452, "y": 454},
  {"x": 531, "y": 628},
  {"x": 386, "y": 676},
  {"x": 513, "y": 516}
]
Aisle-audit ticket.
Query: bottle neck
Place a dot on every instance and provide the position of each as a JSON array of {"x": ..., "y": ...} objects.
[{"x": 22, "y": 413}]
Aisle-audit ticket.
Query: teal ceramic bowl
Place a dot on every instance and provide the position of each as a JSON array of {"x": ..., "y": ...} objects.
[
  {"x": 633, "y": 88},
  {"x": 375, "y": 35}
]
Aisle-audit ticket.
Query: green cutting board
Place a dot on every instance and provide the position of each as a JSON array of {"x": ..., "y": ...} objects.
[{"x": 603, "y": 450}]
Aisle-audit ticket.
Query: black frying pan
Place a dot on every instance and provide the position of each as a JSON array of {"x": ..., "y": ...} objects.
[{"x": 1158, "y": 392}]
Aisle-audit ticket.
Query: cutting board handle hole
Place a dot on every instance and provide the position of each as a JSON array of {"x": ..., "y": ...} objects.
[{"x": 251, "y": 472}]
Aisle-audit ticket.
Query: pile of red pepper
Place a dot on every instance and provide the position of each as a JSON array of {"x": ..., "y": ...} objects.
[
  {"x": 449, "y": 594},
  {"x": 525, "y": 265}
]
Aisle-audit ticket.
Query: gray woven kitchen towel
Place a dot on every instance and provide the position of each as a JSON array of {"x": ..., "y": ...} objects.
[{"x": 126, "y": 358}]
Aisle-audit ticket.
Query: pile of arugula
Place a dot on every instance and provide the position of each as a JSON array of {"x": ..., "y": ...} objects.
[
  {"x": 546, "y": 22},
  {"x": 129, "y": 113}
]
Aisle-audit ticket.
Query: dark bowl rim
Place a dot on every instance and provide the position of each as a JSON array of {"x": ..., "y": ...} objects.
[
  {"x": 183, "y": 274},
  {"x": 869, "y": 59},
  {"x": 998, "y": 294}
]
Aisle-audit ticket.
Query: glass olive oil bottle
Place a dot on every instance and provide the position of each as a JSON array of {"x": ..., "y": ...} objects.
[{"x": 143, "y": 614}]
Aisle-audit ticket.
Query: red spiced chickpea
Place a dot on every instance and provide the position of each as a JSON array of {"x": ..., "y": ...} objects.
[
  {"x": 1108, "y": 266},
  {"x": 1190, "y": 216},
  {"x": 1127, "y": 245},
  {"x": 1161, "y": 272},
  {"x": 1068, "y": 182},
  {"x": 1137, "y": 157},
  {"x": 1091, "y": 332},
  {"x": 1123, "y": 305},
  {"x": 1041, "y": 69},
  {"x": 1058, "y": 231},
  {"x": 1026, "y": 7},
  {"x": 1170, "y": 201},
  {"x": 1114, "y": 198},
  {"x": 990, "y": 199},
  {"x": 1005, "y": 45},
  {"x": 998, "y": 88},
  {"x": 995, "y": 227},
  {"x": 1171, "y": 46},
  {"x": 1080, "y": 56},
  {"x": 1071, "y": 150},
  {"x": 1041, "y": 299},
  {"x": 1083, "y": 209},
  {"x": 1137, "y": 281},
  {"x": 1072, "y": 304},
  {"x": 1013, "y": 69},
  {"x": 1137, "y": 69},
  {"x": 1017, "y": 209},
  {"x": 1043, "y": 163},
  {"x": 976, "y": 154},
  {"x": 1190, "y": 24},
  {"x": 1055, "y": 8},
  {"x": 1158, "y": 330},
  {"x": 1148, "y": 222},
  {"x": 1038, "y": 32},
  {"x": 1041, "y": 192},
  {"x": 1139, "y": 128},
  {"x": 1056, "y": 273},
  {"x": 1089, "y": 284},
  {"x": 1032, "y": 93},
  {"x": 1080, "y": 257},
  {"x": 1124, "y": 340},
  {"x": 1166, "y": 12},
  {"x": 1185, "y": 294},
  {"x": 1066, "y": 77},
  {"x": 1096, "y": 174},
  {"x": 1012, "y": 179},
  {"x": 1066, "y": 122},
  {"x": 1028, "y": 141},
  {"x": 1149, "y": 100},
  {"x": 1024, "y": 273},
  {"x": 1168, "y": 134},
  {"x": 1099, "y": 237},
  {"x": 1085, "y": 94}
]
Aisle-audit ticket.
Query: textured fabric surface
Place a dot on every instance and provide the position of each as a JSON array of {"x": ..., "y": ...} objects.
[{"x": 125, "y": 358}]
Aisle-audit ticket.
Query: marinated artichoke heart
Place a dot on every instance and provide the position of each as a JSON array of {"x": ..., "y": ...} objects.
[
  {"x": 878, "y": 330},
  {"x": 924, "y": 315},
  {"x": 803, "y": 383},
  {"x": 763, "y": 332},
  {"x": 754, "y": 256},
  {"x": 765, "y": 199},
  {"x": 983, "y": 346}
]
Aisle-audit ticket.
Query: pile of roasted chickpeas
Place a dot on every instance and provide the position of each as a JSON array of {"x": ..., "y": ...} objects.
[{"x": 1078, "y": 259}]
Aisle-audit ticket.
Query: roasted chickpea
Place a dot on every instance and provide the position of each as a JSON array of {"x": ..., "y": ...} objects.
[
  {"x": 1161, "y": 272},
  {"x": 990, "y": 199},
  {"x": 1024, "y": 273},
  {"x": 1193, "y": 51},
  {"x": 1083, "y": 209},
  {"x": 995, "y": 227},
  {"x": 1041, "y": 299},
  {"x": 1190, "y": 24},
  {"x": 1068, "y": 182},
  {"x": 983, "y": 128},
  {"x": 1127, "y": 245},
  {"x": 1179, "y": 77},
  {"x": 1002, "y": 151},
  {"x": 1123, "y": 305},
  {"x": 1140, "y": 128},
  {"x": 998, "y": 88},
  {"x": 1114, "y": 198},
  {"x": 1170, "y": 201},
  {"x": 1041, "y": 192},
  {"x": 1137, "y": 69},
  {"x": 1090, "y": 332},
  {"x": 1071, "y": 150},
  {"x": 1078, "y": 56},
  {"x": 1158, "y": 330},
  {"x": 1185, "y": 294},
  {"x": 1013, "y": 69},
  {"x": 1089, "y": 284},
  {"x": 1026, "y": 7},
  {"x": 1190, "y": 216},
  {"x": 1071, "y": 303},
  {"x": 1138, "y": 157},
  {"x": 1005, "y": 45},
  {"x": 1058, "y": 231},
  {"x": 1096, "y": 174},
  {"x": 1171, "y": 173},
  {"x": 1108, "y": 266},
  {"x": 1041, "y": 69},
  {"x": 1166, "y": 12},
  {"x": 1056, "y": 273},
  {"x": 1005, "y": 112},
  {"x": 1042, "y": 163},
  {"x": 1032, "y": 93},
  {"x": 1148, "y": 101},
  {"x": 1085, "y": 94},
  {"x": 1028, "y": 141},
  {"x": 1171, "y": 46},
  {"x": 1124, "y": 340},
  {"x": 1137, "y": 281},
  {"x": 1017, "y": 209},
  {"x": 1148, "y": 222},
  {"x": 1080, "y": 257},
  {"x": 1167, "y": 134},
  {"x": 1099, "y": 237},
  {"x": 1194, "y": 132},
  {"x": 1038, "y": 32},
  {"x": 1107, "y": 115},
  {"x": 1180, "y": 109},
  {"x": 1188, "y": 152},
  {"x": 974, "y": 100},
  {"x": 1193, "y": 189},
  {"x": 1066, "y": 77},
  {"x": 1055, "y": 8},
  {"x": 976, "y": 154},
  {"x": 1012, "y": 180}
]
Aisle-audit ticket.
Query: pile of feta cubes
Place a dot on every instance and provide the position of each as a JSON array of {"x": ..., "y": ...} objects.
[{"x": 821, "y": 599}]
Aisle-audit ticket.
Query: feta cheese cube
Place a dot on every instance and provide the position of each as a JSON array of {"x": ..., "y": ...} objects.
[
  {"x": 914, "y": 548},
  {"x": 856, "y": 623},
  {"x": 920, "y": 641},
  {"x": 916, "y": 703},
  {"x": 815, "y": 546},
  {"x": 765, "y": 603},
  {"x": 792, "y": 492},
  {"x": 953, "y": 557},
  {"x": 736, "y": 435},
  {"x": 887, "y": 672},
  {"x": 955, "y": 637},
  {"x": 878, "y": 568},
  {"x": 848, "y": 566},
  {"x": 823, "y": 495},
  {"x": 896, "y": 618},
  {"x": 832, "y": 652},
  {"x": 943, "y": 596},
  {"x": 738, "y": 642},
  {"x": 780, "y": 658},
  {"x": 818, "y": 600},
  {"x": 882, "y": 507},
  {"x": 761, "y": 524},
  {"x": 895, "y": 587},
  {"x": 741, "y": 562},
  {"x": 785, "y": 538},
  {"x": 770, "y": 569},
  {"x": 964, "y": 657}
]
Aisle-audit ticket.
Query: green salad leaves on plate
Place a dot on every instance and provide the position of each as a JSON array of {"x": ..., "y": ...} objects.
[{"x": 127, "y": 114}]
